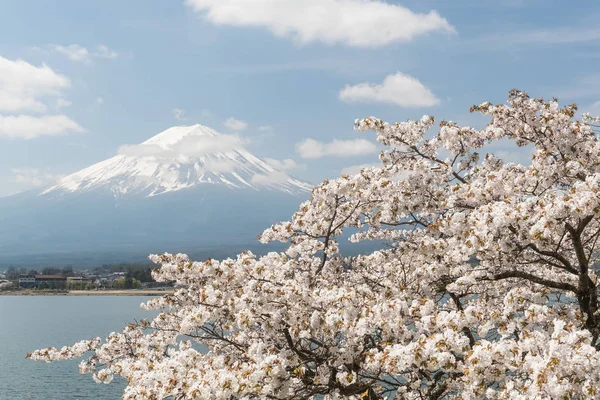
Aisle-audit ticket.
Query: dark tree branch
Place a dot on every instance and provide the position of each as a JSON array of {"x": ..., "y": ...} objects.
[{"x": 534, "y": 279}]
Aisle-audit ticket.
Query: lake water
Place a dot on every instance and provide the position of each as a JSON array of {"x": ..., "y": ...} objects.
[{"x": 31, "y": 322}]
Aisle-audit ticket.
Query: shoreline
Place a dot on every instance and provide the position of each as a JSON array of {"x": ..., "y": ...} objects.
[{"x": 122, "y": 292}]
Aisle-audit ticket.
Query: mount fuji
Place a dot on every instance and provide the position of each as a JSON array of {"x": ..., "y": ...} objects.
[
  {"x": 180, "y": 158},
  {"x": 187, "y": 188}
]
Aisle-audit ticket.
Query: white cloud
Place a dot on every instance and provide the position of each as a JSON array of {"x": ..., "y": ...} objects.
[
  {"x": 189, "y": 147},
  {"x": 104, "y": 52},
  {"x": 23, "y": 85},
  {"x": 355, "y": 169},
  {"x": 30, "y": 127},
  {"x": 73, "y": 52},
  {"x": 33, "y": 177},
  {"x": 311, "y": 148},
  {"x": 219, "y": 166},
  {"x": 357, "y": 23},
  {"x": 198, "y": 146},
  {"x": 100, "y": 100},
  {"x": 283, "y": 165},
  {"x": 76, "y": 52},
  {"x": 272, "y": 178},
  {"x": 235, "y": 124},
  {"x": 179, "y": 114},
  {"x": 399, "y": 89}
]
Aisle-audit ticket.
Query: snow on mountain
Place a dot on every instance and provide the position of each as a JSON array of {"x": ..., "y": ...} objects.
[{"x": 178, "y": 158}]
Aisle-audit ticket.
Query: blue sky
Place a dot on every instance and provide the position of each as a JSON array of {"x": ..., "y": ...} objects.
[{"x": 96, "y": 75}]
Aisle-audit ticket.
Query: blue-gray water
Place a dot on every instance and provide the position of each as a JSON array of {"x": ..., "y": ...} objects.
[{"x": 31, "y": 322}]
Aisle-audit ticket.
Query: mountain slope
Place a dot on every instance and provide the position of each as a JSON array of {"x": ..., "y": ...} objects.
[{"x": 185, "y": 188}]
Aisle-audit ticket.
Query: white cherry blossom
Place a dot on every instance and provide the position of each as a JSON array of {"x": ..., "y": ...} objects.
[{"x": 485, "y": 286}]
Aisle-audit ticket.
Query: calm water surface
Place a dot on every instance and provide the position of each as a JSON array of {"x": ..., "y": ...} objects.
[{"x": 31, "y": 322}]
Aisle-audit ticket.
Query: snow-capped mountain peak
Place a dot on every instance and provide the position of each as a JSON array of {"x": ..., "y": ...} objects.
[
  {"x": 176, "y": 134},
  {"x": 178, "y": 158}
]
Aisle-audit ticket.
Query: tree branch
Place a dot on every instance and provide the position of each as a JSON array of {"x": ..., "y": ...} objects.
[{"x": 534, "y": 279}]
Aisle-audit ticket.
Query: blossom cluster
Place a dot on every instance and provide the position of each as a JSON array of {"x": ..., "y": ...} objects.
[{"x": 484, "y": 288}]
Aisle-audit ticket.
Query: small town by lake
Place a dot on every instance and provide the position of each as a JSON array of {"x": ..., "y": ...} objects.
[{"x": 106, "y": 280}]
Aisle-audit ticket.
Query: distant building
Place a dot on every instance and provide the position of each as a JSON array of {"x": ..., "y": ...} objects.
[{"x": 27, "y": 281}]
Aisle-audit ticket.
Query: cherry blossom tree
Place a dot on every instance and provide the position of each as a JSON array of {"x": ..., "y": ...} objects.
[{"x": 485, "y": 287}]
